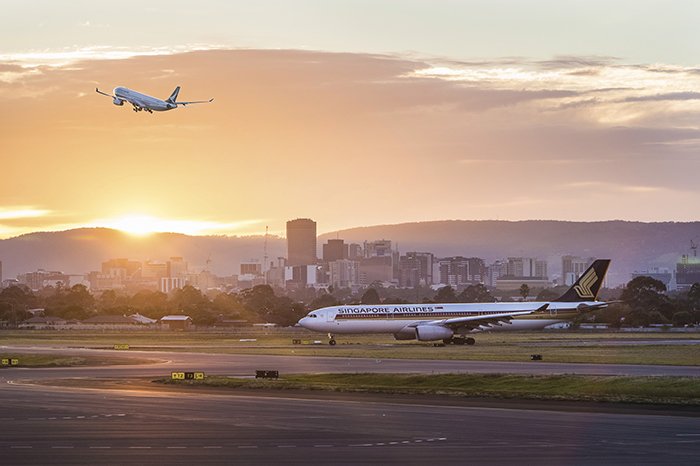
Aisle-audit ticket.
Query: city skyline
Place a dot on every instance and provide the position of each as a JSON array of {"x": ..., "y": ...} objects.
[{"x": 496, "y": 110}]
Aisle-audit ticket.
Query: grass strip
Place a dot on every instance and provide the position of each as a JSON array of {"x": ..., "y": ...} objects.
[
  {"x": 47, "y": 360},
  {"x": 645, "y": 390}
]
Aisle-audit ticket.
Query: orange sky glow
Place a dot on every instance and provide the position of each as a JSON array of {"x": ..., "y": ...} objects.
[{"x": 348, "y": 139}]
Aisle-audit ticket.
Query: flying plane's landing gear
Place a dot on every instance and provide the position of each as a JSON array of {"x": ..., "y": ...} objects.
[
  {"x": 331, "y": 339},
  {"x": 459, "y": 341},
  {"x": 149, "y": 110}
]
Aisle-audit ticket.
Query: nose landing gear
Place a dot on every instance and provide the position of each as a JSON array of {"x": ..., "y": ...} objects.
[{"x": 331, "y": 339}]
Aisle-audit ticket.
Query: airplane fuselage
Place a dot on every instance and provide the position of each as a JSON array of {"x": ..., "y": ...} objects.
[
  {"x": 393, "y": 318},
  {"x": 140, "y": 100},
  {"x": 451, "y": 322}
]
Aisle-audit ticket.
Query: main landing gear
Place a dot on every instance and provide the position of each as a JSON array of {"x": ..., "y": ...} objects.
[
  {"x": 459, "y": 341},
  {"x": 331, "y": 339}
]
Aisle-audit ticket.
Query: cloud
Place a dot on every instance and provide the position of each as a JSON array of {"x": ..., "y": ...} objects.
[
  {"x": 687, "y": 95},
  {"x": 351, "y": 139},
  {"x": 12, "y": 213},
  {"x": 68, "y": 56}
]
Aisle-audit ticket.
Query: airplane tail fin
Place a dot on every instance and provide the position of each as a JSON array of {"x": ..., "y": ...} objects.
[
  {"x": 173, "y": 96},
  {"x": 588, "y": 285}
]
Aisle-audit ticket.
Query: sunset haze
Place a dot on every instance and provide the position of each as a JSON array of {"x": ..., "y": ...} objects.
[{"x": 347, "y": 132}]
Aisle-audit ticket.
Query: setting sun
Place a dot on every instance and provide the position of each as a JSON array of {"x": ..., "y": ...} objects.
[
  {"x": 143, "y": 225},
  {"x": 139, "y": 225}
]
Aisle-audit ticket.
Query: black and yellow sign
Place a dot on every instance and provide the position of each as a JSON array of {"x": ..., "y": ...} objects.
[
  {"x": 121, "y": 347},
  {"x": 187, "y": 375}
]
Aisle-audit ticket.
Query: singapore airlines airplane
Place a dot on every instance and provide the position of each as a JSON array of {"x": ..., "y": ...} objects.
[
  {"x": 146, "y": 102},
  {"x": 450, "y": 322}
]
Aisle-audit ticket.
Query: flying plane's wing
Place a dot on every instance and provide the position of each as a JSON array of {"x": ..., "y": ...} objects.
[
  {"x": 195, "y": 102},
  {"x": 104, "y": 93},
  {"x": 472, "y": 322}
]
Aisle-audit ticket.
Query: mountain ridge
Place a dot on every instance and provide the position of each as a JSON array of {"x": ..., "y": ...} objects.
[{"x": 631, "y": 245}]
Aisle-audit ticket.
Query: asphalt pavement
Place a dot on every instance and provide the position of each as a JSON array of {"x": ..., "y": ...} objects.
[{"x": 43, "y": 424}]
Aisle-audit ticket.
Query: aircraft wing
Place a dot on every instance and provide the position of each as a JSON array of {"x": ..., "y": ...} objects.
[
  {"x": 472, "y": 322},
  {"x": 195, "y": 102},
  {"x": 104, "y": 93}
]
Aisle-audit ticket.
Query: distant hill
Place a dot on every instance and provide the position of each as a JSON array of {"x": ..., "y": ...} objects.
[
  {"x": 83, "y": 250},
  {"x": 631, "y": 245}
]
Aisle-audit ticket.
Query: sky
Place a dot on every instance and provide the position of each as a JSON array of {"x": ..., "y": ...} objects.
[{"x": 352, "y": 113}]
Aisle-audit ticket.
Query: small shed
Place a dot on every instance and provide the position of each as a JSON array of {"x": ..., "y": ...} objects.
[{"x": 177, "y": 322}]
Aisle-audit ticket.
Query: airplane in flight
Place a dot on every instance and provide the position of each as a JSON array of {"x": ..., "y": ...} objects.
[
  {"x": 451, "y": 322},
  {"x": 146, "y": 102}
]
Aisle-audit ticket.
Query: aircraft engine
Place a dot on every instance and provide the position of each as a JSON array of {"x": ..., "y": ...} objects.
[
  {"x": 433, "y": 332},
  {"x": 406, "y": 333},
  {"x": 117, "y": 101}
]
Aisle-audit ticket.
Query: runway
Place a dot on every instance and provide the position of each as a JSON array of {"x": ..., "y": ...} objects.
[
  {"x": 245, "y": 364},
  {"x": 59, "y": 425},
  {"x": 44, "y": 425}
]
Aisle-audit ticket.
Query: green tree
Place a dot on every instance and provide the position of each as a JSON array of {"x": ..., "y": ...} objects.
[
  {"x": 324, "y": 300},
  {"x": 286, "y": 312},
  {"x": 475, "y": 294},
  {"x": 73, "y": 303},
  {"x": 189, "y": 299},
  {"x": 694, "y": 297},
  {"x": 681, "y": 319},
  {"x": 260, "y": 300},
  {"x": 371, "y": 296},
  {"x": 524, "y": 291},
  {"x": 547, "y": 295},
  {"x": 647, "y": 301},
  {"x": 446, "y": 294}
]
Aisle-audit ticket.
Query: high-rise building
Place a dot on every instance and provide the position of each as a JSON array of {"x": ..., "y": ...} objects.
[
  {"x": 122, "y": 268},
  {"x": 335, "y": 250},
  {"x": 355, "y": 252},
  {"x": 251, "y": 268},
  {"x": 572, "y": 267},
  {"x": 416, "y": 269},
  {"x": 522, "y": 267},
  {"x": 377, "y": 248},
  {"x": 301, "y": 242},
  {"x": 376, "y": 269},
  {"x": 344, "y": 273},
  {"x": 380, "y": 249},
  {"x": 687, "y": 272},
  {"x": 518, "y": 271},
  {"x": 177, "y": 267},
  {"x": 44, "y": 278},
  {"x": 461, "y": 271}
]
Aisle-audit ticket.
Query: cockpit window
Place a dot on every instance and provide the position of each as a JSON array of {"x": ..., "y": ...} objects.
[{"x": 312, "y": 315}]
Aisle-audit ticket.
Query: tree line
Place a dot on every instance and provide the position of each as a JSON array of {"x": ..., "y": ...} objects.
[{"x": 643, "y": 301}]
